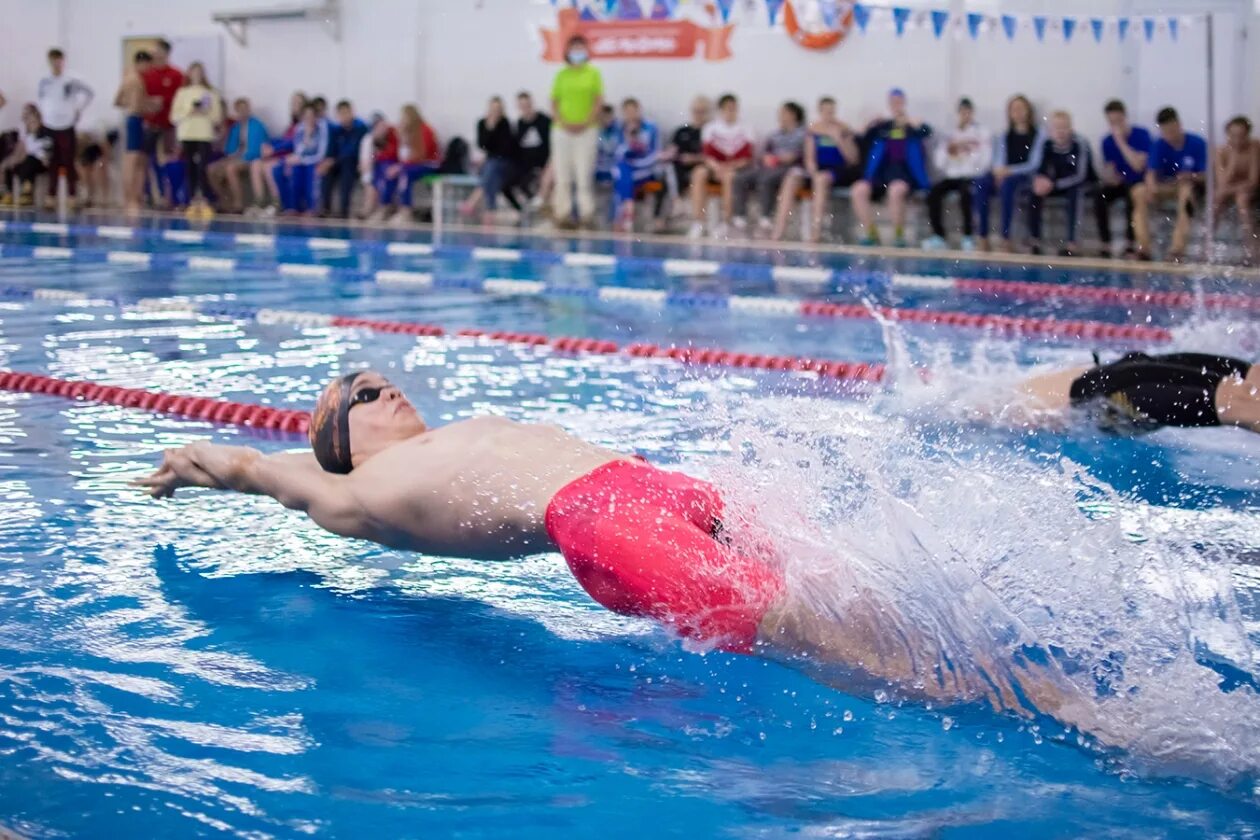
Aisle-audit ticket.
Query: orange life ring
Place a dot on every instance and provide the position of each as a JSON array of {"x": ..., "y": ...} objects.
[{"x": 816, "y": 40}]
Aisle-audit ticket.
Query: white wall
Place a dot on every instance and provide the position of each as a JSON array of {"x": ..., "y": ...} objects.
[{"x": 449, "y": 55}]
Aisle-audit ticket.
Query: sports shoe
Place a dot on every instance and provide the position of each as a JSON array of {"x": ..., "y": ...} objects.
[
  {"x": 935, "y": 243},
  {"x": 900, "y": 242},
  {"x": 740, "y": 224},
  {"x": 696, "y": 231},
  {"x": 967, "y": 244},
  {"x": 869, "y": 240},
  {"x": 720, "y": 231},
  {"x": 764, "y": 226}
]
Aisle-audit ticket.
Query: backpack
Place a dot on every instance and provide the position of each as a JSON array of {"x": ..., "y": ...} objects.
[{"x": 455, "y": 161}]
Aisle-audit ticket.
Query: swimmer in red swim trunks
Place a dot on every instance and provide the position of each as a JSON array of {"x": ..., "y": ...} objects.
[{"x": 641, "y": 540}]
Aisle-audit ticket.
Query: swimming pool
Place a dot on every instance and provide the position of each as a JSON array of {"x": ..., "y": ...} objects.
[{"x": 216, "y": 665}]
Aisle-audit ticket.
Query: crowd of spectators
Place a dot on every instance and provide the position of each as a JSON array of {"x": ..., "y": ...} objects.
[{"x": 185, "y": 149}]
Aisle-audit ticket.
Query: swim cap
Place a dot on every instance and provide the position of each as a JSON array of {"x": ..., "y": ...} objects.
[{"x": 330, "y": 425}]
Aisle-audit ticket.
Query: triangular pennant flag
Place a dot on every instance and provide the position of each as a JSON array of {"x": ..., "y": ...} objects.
[
  {"x": 663, "y": 9},
  {"x": 1069, "y": 26},
  {"x": 629, "y": 10},
  {"x": 861, "y": 16},
  {"x": 587, "y": 14},
  {"x": 772, "y": 8},
  {"x": 973, "y": 24},
  {"x": 1148, "y": 26},
  {"x": 1039, "y": 26},
  {"x": 940, "y": 18},
  {"x": 900, "y": 16},
  {"x": 1172, "y": 28},
  {"x": 610, "y": 6},
  {"x": 830, "y": 14},
  {"x": 1122, "y": 27},
  {"x": 1009, "y": 24},
  {"x": 1097, "y": 25}
]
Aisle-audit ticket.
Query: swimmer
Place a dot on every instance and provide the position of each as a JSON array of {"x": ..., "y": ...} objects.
[
  {"x": 1140, "y": 393},
  {"x": 640, "y": 540}
]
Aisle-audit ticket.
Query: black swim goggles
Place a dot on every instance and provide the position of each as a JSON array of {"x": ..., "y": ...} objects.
[{"x": 365, "y": 395}]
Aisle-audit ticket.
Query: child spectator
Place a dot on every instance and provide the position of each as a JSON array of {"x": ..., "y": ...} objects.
[
  {"x": 497, "y": 142},
  {"x": 1125, "y": 151},
  {"x": 637, "y": 158},
  {"x": 245, "y": 141},
  {"x": 61, "y": 101},
  {"x": 1016, "y": 158},
  {"x": 728, "y": 148},
  {"x": 1064, "y": 170},
  {"x": 964, "y": 156},
  {"x": 1238, "y": 175},
  {"x": 683, "y": 154},
  {"x": 416, "y": 154},
  {"x": 196, "y": 112},
  {"x": 1177, "y": 171},
  {"x": 832, "y": 159},
  {"x": 896, "y": 166},
  {"x": 783, "y": 152},
  {"x": 30, "y": 158},
  {"x": 295, "y": 177},
  {"x": 340, "y": 169}
]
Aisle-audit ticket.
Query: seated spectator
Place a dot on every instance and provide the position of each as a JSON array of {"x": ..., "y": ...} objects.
[
  {"x": 606, "y": 145},
  {"x": 172, "y": 181},
  {"x": 320, "y": 104},
  {"x": 964, "y": 156},
  {"x": 1125, "y": 152},
  {"x": 196, "y": 113},
  {"x": 418, "y": 155},
  {"x": 895, "y": 166},
  {"x": 1064, "y": 171},
  {"x": 1016, "y": 158},
  {"x": 244, "y": 146},
  {"x": 637, "y": 159},
  {"x": 30, "y": 158},
  {"x": 683, "y": 154},
  {"x": 533, "y": 151},
  {"x": 296, "y": 177},
  {"x": 783, "y": 152},
  {"x": 832, "y": 159},
  {"x": 1238, "y": 175},
  {"x": 728, "y": 148},
  {"x": 497, "y": 142},
  {"x": 262, "y": 171},
  {"x": 1177, "y": 170},
  {"x": 340, "y": 169},
  {"x": 93, "y": 161},
  {"x": 380, "y": 146}
]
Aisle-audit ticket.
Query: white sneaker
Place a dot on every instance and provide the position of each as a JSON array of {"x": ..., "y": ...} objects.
[
  {"x": 268, "y": 212},
  {"x": 764, "y": 226},
  {"x": 536, "y": 202},
  {"x": 720, "y": 231},
  {"x": 935, "y": 243},
  {"x": 740, "y": 224},
  {"x": 967, "y": 243},
  {"x": 402, "y": 218},
  {"x": 696, "y": 231}
]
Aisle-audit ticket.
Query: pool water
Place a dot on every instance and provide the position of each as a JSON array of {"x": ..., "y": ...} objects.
[{"x": 214, "y": 665}]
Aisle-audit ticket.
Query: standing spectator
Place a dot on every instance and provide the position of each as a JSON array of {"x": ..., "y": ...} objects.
[
  {"x": 1064, "y": 170},
  {"x": 832, "y": 159},
  {"x": 1177, "y": 170},
  {"x": 262, "y": 172},
  {"x": 964, "y": 156},
  {"x": 131, "y": 97},
  {"x": 684, "y": 153},
  {"x": 196, "y": 113},
  {"x": 1016, "y": 158},
  {"x": 93, "y": 159},
  {"x": 533, "y": 150},
  {"x": 1238, "y": 175},
  {"x": 378, "y": 132},
  {"x": 896, "y": 166},
  {"x": 341, "y": 168},
  {"x": 782, "y": 154},
  {"x": 161, "y": 81},
  {"x": 637, "y": 160},
  {"x": 728, "y": 148},
  {"x": 245, "y": 141},
  {"x": 61, "y": 101},
  {"x": 577, "y": 95},
  {"x": 30, "y": 158},
  {"x": 498, "y": 143},
  {"x": 295, "y": 177},
  {"x": 418, "y": 155},
  {"x": 1125, "y": 152}
]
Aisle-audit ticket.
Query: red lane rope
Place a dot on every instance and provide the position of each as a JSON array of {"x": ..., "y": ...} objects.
[
  {"x": 194, "y": 408},
  {"x": 1047, "y": 291}
]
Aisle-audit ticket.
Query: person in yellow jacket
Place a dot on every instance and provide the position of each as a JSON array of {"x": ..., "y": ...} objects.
[{"x": 196, "y": 113}]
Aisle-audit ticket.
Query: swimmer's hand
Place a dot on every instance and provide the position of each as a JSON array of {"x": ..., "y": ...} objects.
[{"x": 200, "y": 464}]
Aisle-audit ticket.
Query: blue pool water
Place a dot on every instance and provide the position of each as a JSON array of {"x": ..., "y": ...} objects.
[{"x": 214, "y": 665}]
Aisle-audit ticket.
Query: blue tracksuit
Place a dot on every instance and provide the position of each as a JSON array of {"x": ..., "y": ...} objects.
[
  {"x": 299, "y": 188},
  {"x": 636, "y": 159},
  {"x": 881, "y": 169}
]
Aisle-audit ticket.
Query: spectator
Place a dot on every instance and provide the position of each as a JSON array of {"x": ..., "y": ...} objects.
[
  {"x": 1238, "y": 175},
  {"x": 1125, "y": 152},
  {"x": 341, "y": 168},
  {"x": 683, "y": 154},
  {"x": 1016, "y": 158},
  {"x": 727, "y": 145},
  {"x": 245, "y": 141},
  {"x": 30, "y": 158},
  {"x": 498, "y": 143},
  {"x": 262, "y": 172},
  {"x": 1177, "y": 170},
  {"x": 964, "y": 156},
  {"x": 783, "y": 152},
  {"x": 131, "y": 97},
  {"x": 637, "y": 160},
  {"x": 1064, "y": 170},
  {"x": 61, "y": 101},
  {"x": 320, "y": 104},
  {"x": 832, "y": 159},
  {"x": 196, "y": 114},
  {"x": 161, "y": 81},
  {"x": 896, "y": 167},
  {"x": 92, "y": 162},
  {"x": 606, "y": 147},
  {"x": 377, "y": 129},
  {"x": 577, "y": 95},
  {"x": 533, "y": 150},
  {"x": 295, "y": 177},
  {"x": 418, "y": 154}
]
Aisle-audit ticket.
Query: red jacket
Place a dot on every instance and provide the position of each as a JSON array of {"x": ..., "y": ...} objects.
[{"x": 423, "y": 146}]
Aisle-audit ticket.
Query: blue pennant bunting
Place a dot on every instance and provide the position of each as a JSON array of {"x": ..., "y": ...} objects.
[
  {"x": 610, "y": 6},
  {"x": 663, "y": 9},
  {"x": 1122, "y": 27},
  {"x": 1148, "y": 26},
  {"x": 830, "y": 14},
  {"x": 1010, "y": 23},
  {"x": 587, "y": 14},
  {"x": 629, "y": 10},
  {"x": 1069, "y": 26},
  {"x": 861, "y": 16},
  {"x": 1097, "y": 25},
  {"x": 973, "y": 24},
  {"x": 1039, "y": 26},
  {"x": 772, "y": 8},
  {"x": 940, "y": 18},
  {"x": 1172, "y": 28},
  {"x": 900, "y": 16}
]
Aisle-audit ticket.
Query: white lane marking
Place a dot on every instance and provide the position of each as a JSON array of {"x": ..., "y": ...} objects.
[
  {"x": 408, "y": 249},
  {"x": 652, "y": 296},
  {"x": 694, "y": 267},
  {"x": 288, "y": 316},
  {"x": 404, "y": 278},
  {"x": 922, "y": 281},
  {"x": 115, "y": 232},
  {"x": 50, "y": 227},
  {"x": 303, "y": 270},
  {"x": 505, "y": 286},
  {"x": 765, "y": 305},
  {"x": 261, "y": 240},
  {"x": 319, "y": 243},
  {"x": 589, "y": 259},
  {"x": 188, "y": 237},
  {"x": 48, "y": 252},
  {"x": 212, "y": 263},
  {"x": 800, "y": 274},
  {"x": 504, "y": 254},
  {"x": 129, "y": 257}
]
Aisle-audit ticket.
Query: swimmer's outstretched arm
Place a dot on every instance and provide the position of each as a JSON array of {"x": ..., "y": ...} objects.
[{"x": 295, "y": 480}]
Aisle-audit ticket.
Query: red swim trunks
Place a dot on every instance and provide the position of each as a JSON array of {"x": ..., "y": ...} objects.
[{"x": 647, "y": 542}]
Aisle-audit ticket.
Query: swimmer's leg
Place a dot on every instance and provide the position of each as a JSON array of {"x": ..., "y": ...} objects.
[{"x": 1238, "y": 400}]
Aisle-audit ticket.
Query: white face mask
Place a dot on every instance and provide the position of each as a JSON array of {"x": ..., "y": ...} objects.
[{"x": 578, "y": 56}]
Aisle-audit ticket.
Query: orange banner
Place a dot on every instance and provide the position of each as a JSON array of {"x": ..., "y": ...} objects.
[{"x": 637, "y": 38}]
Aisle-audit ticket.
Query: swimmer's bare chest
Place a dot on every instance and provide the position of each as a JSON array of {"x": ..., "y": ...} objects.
[{"x": 476, "y": 488}]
